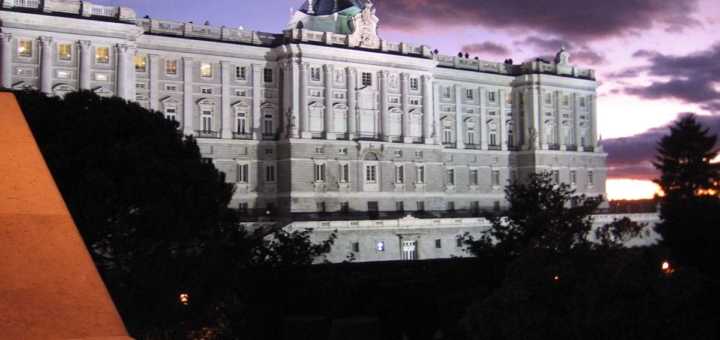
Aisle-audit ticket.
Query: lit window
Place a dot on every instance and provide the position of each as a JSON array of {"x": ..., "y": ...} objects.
[
  {"x": 64, "y": 51},
  {"x": 206, "y": 70},
  {"x": 140, "y": 64},
  {"x": 366, "y": 79},
  {"x": 268, "y": 75},
  {"x": 381, "y": 245},
  {"x": 566, "y": 100},
  {"x": 170, "y": 66},
  {"x": 240, "y": 73},
  {"x": 320, "y": 172},
  {"x": 102, "y": 76},
  {"x": 64, "y": 74},
  {"x": 102, "y": 55},
  {"x": 25, "y": 48}
]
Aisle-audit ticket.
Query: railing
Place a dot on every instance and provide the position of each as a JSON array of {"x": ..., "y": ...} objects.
[
  {"x": 553, "y": 147},
  {"x": 269, "y": 136},
  {"x": 472, "y": 146},
  {"x": 206, "y": 134},
  {"x": 494, "y": 147},
  {"x": 242, "y": 135},
  {"x": 589, "y": 148},
  {"x": 513, "y": 148},
  {"x": 206, "y": 31},
  {"x": 27, "y": 3},
  {"x": 571, "y": 147},
  {"x": 449, "y": 145}
]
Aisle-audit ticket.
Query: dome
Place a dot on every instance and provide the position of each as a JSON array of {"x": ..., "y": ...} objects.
[{"x": 327, "y": 7}]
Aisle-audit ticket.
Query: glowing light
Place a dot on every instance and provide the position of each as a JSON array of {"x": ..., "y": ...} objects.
[
  {"x": 666, "y": 268},
  {"x": 184, "y": 299},
  {"x": 557, "y": 278}
]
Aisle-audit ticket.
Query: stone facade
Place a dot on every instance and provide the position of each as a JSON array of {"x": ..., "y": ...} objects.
[{"x": 307, "y": 121}]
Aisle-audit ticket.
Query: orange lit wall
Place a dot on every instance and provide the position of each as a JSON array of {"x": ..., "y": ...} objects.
[{"x": 49, "y": 287}]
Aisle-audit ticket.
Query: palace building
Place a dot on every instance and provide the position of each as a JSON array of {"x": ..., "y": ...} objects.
[{"x": 326, "y": 121}]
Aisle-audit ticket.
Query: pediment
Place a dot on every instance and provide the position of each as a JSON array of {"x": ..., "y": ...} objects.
[{"x": 103, "y": 92}]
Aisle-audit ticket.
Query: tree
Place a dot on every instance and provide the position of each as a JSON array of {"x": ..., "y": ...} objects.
[{"x": 689, "y": 207}]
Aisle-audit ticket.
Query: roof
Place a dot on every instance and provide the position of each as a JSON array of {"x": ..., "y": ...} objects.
[{"x": 327, "y": 7}]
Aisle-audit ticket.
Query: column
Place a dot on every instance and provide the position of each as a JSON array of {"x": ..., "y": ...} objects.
[
  {"x": 304, "y": 116},
  {"x": 84, "y": 64},
  {"x": 437, "y": 128},
  {"x": 290, "y": 98},
  {"x": 45, "y": 64},
  {"x": 384, "y": 118},
  {"x": 428, "y": 112},
  {"x": 352, "y": 114},
  {"x": 502, "y": 128},
  {"x": 123, "y": 68},
  {"x": 538, "y": 117},
  {"x": 257, "y": 75},
  {"x": 188, "y": 107},
  {"x": 460, "y": 132},
  {"x": 483, "y": 97},
  {"x": 592, "y": 129},
  {"x": 226, "y": 129},
  {"x": 6, "y": 60},
  {"x": 576, "y": 121},
  {"x": 154, "y": 80},
  {"x": 405, "y": 107},
  {"x": 559, "y": 141},
  {"x": 329, "y": 126}
]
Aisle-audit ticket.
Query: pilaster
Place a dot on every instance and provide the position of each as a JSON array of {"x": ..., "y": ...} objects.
[
  {"x": 460, "y": 133},
  {"x": 304, "y": 115},
  {"x": 85, "y": 63},
  {"x": 6, "y": 60},
  {"x": 502, "y": 127},
  {"x": 226, "y": 114},
  {"x": 154, "y": 81},
  {"x": 125, "y": 77},
  {"x": 482, "y": 93},
  {"x": 405, "y": 102},
  {"x": 257, "y": 101},
  {"x": 329, "y": 119},
  {"x": 428, "y": 111},
  {"x": 351, "y": 75},
  {"x": 384, "y": 117},
  {"x": 45, "y": 64},
  {"x": 188, "y": 109}
]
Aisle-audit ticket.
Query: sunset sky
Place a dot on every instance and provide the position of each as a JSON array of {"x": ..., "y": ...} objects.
[{"x": 657, "y": 59}]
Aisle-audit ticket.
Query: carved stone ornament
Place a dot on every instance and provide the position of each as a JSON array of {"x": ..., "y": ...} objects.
[{"x": 365, "y": 23}]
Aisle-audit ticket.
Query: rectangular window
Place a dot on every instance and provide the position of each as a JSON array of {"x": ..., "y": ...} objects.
[
  {"x": 473, "y": 177},
  {"x": 370, "y": 173},
  {"x": 418, "y": 154},
  {"x": 398, "y": 153},
  {"x": 206, "y": 121},
  {"x": 171, "y": 67},
  {"x": 240, "y": 73},
  {"x": 372, "y": 206},
  {"x": 140, "y": 64},
  {"x": 566, "y": 100},
  {"x": 399, "y": 206},
  {"x": 269, "y": 151},
  {"x": 267, "y": 75},
  {"x": 67, "y": 74},
  {"x": 102, "y": 77},
  {"x": 356, "y": 247},
  {"x": 573, "y": 177},
  {"x": 315, "y": 73},
  {"x": 64, "y": 51},
  {"x": 206, "y": 90},
  {"x": 344, "y": 207},
  {"x": 344, "y": 173},
  {"x": 241, "y": 127},
  {"x": 320, "y": 207},
  {"x": 420, "y": 206},
  {"x": 491, "y": 96},
  {"x": 414, "y": 102},
  {"x": 342, "y": 151},
  {"x": 446, "y": 92},
  {"x": 170, "y": 87},
  {"x": 451, "y": 177},
  {"x": 495, "y": 174},
  {"x": 420, "y": 175},
  {"x": 171, "y": 113},
  {"x": 243, "y": 207},
  {"x": 25, "y": 48},
  {"x": 469, "y": 94},
  {"x": 496, "y": 206},
  {"x": 243, "y": 173},
  {"x": 319, "y": 151},
  {"x": 590, "y": 178},
  {"x": 241, "y": 93},
  {"x": 475, "y": 205},
  {"x": 206, "y": 70},
  {"x": 367, "y": 79},
  {"x": 450, "y": 206},
  {"x": 582, "y": 102},
  {"x": 270, "y": 174},
  {"x": 414, "y": 84},
  {"x": 556, "y": 176},
  {"x": 102, "y": 55},
  {"x": 319, "y": 172},
  {"x": 458, "y": 242},
  {"x": 548, "y": 98},
  {"x": 400, "y": 174},
  {"x": 438, "y": 243}
]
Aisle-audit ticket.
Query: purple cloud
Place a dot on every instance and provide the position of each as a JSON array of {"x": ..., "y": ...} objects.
[{"x": 486, "y": 48}]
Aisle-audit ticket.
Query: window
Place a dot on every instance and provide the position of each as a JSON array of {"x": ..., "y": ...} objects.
[
  {"x": 495, "y": 177},
  {"x": 414, "y": 102},
  {"x": 320, "y": 207},
  {"x": 243, "y": 207},
  {"x": 566, "y": 100},
  {"x": 171, "y": 67},
  {"x": 319, "y": 172},
  {"x": 397, "y": 153},
  {"x": 342, "y": 151},
  {"x": 319, "y": 151},
  {"x": 370, "y": 173},
  {"x": 458, "y": 242},
  {"x": 414, "y": 84},
  {"x": 548, "y": 98},
  {"x": 356, "y": 247},
  {"x": 451, "y": 177},
  {"x": 344, "y": 207},
  {"x": 206, "y": 70},
  {"x": 491, "y": 96},
  {"x": 556, "y": 177},
  {"x": 438, "y": 243},
  {"x": 68, "y": 74},
  {"x": 380, "y": 246},
  {"x": 241, "y": 93},
  {"x": 140, "y": 63},
  {"x": 399, "y": 206},
  {"x": 470, "y": 136},
  {"x": 400, "y": 174},
  {"x": 270, "y": 174},
  {"x": 447, "y": 135},
  {"x": 418, "y": 154},
  {"x": 206, "y": 90},
  {"x": 366, "y": 79},
  {"x": 64, "y": 51},
  {"x": 446, "y": 92},
  {"x": 590, "y": 178},
  {"x": 170, "y": 87},
  {"x": 240, "y": 72},
  {"x": 268, "y": 125},
  {"x": 420, "y": 175},
  {"x": 267, "y": 75},
  {"x": 171, "y": 113},
  {"x": 243, "y": 173},
  {"x": 496, "y": 206},
  {"x": 473, "y": 177},
  {"x": 475, "y": 205},
  {"x": 372, "y": 206},
  {"x": 582, "y": 102},
  {"x": 450, "y": 206},
  {"x": 420, "y": 206},
  {"x": 102, "y": 76},
  {"x": 339, "y": 95},
  {"x": 206, "y": 121},
  {"x": 269, "y": 151},
  {"x": 469, "y": 94},
  {"x": 241, "y": 123},
  {"x": 573, "y": 177},
  {"x": 315, "y": 73},
  {"x": 102, "y": 55},
  {"x": 25, "y": 48},
  {"x": 344, "y": 173}
]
